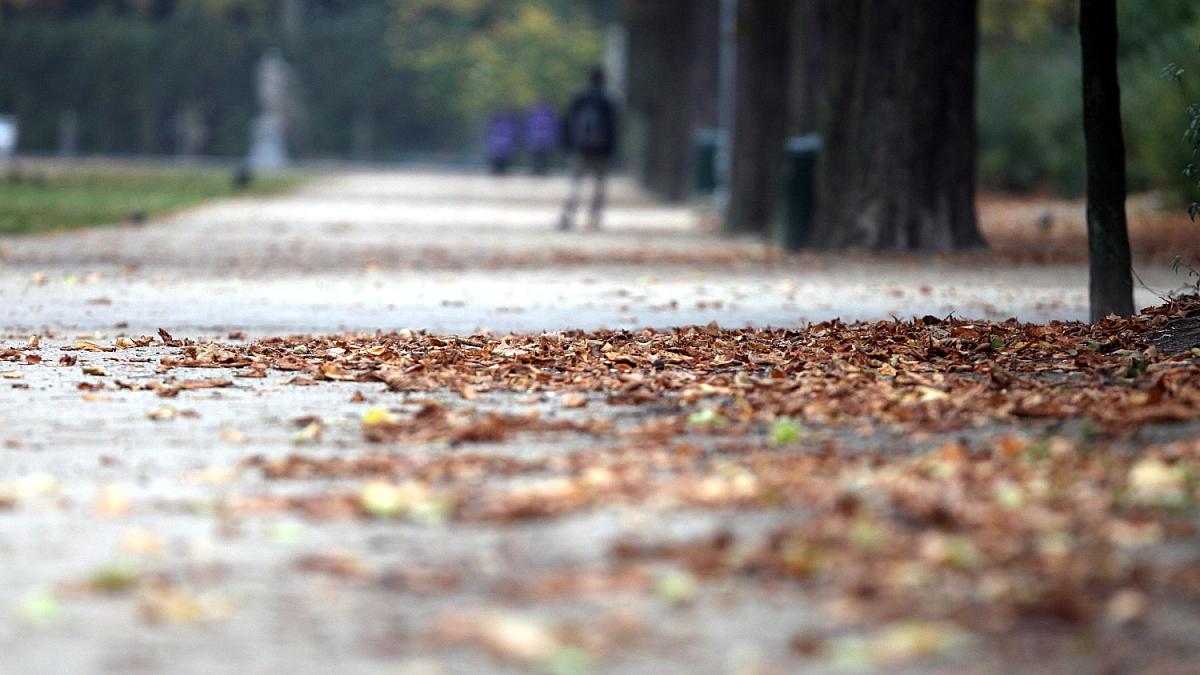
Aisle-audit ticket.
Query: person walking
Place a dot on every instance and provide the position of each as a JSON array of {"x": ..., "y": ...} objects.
[
  {"x": 501, "y": 142},
  {"x": 541, "y": 135},
  {"x": 590, "y": 136}
]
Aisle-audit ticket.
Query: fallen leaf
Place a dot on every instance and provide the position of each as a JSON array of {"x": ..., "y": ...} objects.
[
  {"x": 309, "y": 434},
  {"x": 112, "y": 501},
  {"x": 140, "y": 541},
  {"x": 39, "y": 608},
  {"x": 114, "y": 579},
  {"x": 89, "y": 346},
  {"x": 169, "y": 604},
  {"x": 574, "y": 401}
]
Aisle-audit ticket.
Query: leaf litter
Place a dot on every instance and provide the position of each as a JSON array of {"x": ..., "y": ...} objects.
[{"x": 1033, "y": 497}]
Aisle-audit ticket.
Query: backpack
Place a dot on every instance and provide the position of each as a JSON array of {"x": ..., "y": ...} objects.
[{"x": 591, "y": 126}]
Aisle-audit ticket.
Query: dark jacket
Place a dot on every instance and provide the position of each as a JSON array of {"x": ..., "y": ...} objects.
[{"x": 603, "y": 142}]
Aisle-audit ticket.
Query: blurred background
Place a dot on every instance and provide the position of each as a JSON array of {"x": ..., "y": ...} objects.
[
  {"x": 389, "y": 80},
  {"x": 712, "y": 90},
  {"x": 370, "y": 79}
]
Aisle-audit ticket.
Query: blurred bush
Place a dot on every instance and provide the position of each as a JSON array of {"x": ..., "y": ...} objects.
[
  {"x": 472, "y": 58},
  {"x": 1031, "y": 120},
  {"x": 1030, "y": 101}
]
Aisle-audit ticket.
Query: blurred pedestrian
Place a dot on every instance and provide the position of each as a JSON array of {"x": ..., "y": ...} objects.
[
  {"x": 541, "y": 135},
  {"x": 501, "y": 142},
  {"x": 589, "y": 133}
]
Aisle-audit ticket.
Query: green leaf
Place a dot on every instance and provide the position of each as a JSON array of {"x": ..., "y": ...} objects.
[
  {"x": 114, "y": 579},
  {"x": 568, "y": 660},
  {"x": 706, "y": 418},
  {"x": 785, "y": 431},
  {"x": 676, "y": 587},
  {"x": 39, "y": 608}
]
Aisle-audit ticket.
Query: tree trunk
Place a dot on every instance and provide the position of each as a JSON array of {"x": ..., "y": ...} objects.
[
  {"x": 672, "y": 57},
  {"x": 808, "y": 108},
  {"x": 760, "y": 125},
  {"x": 898, "y": 159},
  {"x": 705, "y": 49},
  {"x": 669, "y": 84},
  {"x": 1111, "y": 287}
]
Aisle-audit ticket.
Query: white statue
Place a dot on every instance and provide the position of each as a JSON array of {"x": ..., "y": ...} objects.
[
  {"x": 268, "y": 136},
  {"x": 8, "y": 136}
]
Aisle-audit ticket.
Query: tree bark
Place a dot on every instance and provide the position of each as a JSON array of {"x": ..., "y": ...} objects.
[
  {"x": 1111, "y": 285},
  {"x": 898, "y": 159},
  {"x": 705, "y": 48},
  {"x": 760, "y": 125},
  {"x": 672, "y": 57},
  {"x": 808, "y": 108}
]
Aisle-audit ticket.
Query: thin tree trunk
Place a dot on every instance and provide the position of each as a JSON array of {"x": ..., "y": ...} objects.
[
  {"x": 1111, "y": 286},
  {"x": 760, "y": 126},
  {"x": 898, "y": 164}
]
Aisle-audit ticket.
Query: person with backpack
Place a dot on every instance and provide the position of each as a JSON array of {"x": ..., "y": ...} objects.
[{"x": 590, "y": 136}]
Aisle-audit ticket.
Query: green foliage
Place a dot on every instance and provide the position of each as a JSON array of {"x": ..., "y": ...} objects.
[
  {"x": 1159, "y": 108},
  {"x": 374, "y": 78},
  {"x": 474, "y": 57},
  {"x": 1030, "y": 106},
  {"x": 1191, "y": 287},
  {"x": 125, "y": 76},
  {"x": 1191, "y": 136},
  {"x": 1030, "y": 119}
]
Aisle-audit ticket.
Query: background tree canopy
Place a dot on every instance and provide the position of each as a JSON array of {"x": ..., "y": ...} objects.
[
  {"x": 1030, "y": 110},
  {"x": 375, "y": 79},
  {"x": 473, "y": 57},
  {"x": 386, "y": 79}
]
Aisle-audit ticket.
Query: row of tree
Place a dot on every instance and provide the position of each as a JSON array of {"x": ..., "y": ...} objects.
[
  {"x": 374, "y": 79},
  {"x": 890, "y": 88}
]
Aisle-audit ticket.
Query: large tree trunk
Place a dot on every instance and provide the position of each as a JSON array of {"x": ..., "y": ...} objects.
[
  {"x": 672, "y": 58},
  {"x": 898, "y": 161},
  {"x": 705, "y": 51},
  {"x": 761, "y": 120},
  {"x": 808, "y": 107},
  {"x": 1108, "y": 237}
]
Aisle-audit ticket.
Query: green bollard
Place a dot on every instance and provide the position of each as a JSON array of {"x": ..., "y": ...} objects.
[
  {"x": 800, "y": 190},
  {"x": 706, "y": 144}
]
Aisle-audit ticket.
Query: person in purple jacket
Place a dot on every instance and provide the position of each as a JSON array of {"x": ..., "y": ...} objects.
[
  {"x": 501, "y": 142},
  {"x": 541, "y": 135}
]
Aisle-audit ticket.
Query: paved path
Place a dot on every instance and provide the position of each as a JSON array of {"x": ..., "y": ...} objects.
[
  {"x": 97, "y": 484},
  {"x": 458, "y": 253}
]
